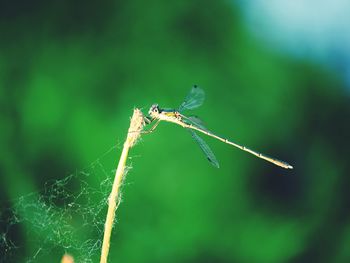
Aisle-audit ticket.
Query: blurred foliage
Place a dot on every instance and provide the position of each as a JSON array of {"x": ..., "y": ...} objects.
[{"x": 70, "y": 75}]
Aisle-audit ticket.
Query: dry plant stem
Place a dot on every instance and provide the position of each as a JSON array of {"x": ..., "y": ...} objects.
[
  {"x": 136, "y": 125},
  {"x": 67, "y": 259}
]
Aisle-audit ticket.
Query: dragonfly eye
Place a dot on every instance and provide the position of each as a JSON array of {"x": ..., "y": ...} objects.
[{"x": 154, "y": 109}]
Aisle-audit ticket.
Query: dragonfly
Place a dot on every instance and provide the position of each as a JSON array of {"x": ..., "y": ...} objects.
[{"x": 193, "y": 124}]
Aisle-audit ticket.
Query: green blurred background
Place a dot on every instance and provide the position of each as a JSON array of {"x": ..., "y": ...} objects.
[{"x": 71, "y": 73}]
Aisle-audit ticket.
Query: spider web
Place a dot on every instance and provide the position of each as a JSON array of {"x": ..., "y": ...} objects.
[{"x": 66, "y": 216}]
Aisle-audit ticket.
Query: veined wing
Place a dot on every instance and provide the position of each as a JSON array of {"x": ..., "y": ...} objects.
[
  {"x": 194, "y": 120},
  {"x": 193, "y": 100},
  {"x": 205, "y": 148}
]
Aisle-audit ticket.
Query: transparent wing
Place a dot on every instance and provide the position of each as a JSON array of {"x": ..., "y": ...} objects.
[
  {"x": 195, "y": 121},
  {"x": 193, "y": 100},
  {"x": 205, "y": 148}
]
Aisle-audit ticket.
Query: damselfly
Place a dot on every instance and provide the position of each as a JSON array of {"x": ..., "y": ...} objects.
[{"x": 193, "y": 100}]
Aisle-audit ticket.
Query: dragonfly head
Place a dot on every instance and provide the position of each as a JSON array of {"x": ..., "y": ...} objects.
[{"x": 154, "y": 110}]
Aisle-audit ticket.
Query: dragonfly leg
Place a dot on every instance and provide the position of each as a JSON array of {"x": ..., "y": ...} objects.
[
  {"x": 152, "y": 128},
  {"x": 148, "y": 120}
]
